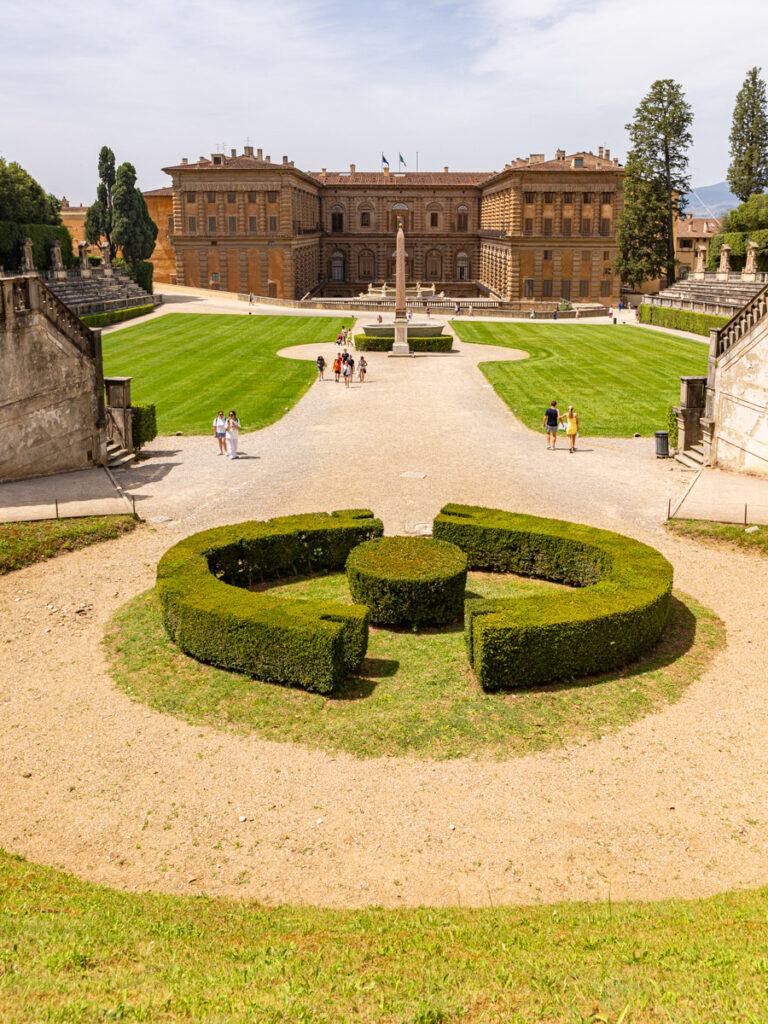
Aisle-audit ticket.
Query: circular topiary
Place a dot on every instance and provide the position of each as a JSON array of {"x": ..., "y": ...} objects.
[{"x": 415, "y": 580}]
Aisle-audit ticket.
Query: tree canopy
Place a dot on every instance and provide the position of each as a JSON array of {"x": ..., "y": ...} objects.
[
  {"x": 750, "y": 216},
  {"x": 133, "y": 230},
  {"x": 98, "y": 219},
  {"x": 23, "y": 200},
  {"x": 655, "y": 183},
  {"x": 748, "y": 171}
]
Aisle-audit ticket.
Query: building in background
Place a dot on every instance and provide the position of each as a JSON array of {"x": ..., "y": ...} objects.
[
  {"x": 537, "y": 231},
  {"x": 690, "y": 234}
]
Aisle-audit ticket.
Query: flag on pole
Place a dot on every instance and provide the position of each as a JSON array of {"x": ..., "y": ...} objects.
[
  {"x": 384, "y": 161},
  {"x": 402, "y": 161}
]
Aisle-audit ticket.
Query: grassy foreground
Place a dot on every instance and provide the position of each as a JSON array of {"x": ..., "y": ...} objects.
[
  {"x": 416, "y": 694},
  {"x": 727, "y": 534},
  {"x": 620, "y": 379},
  {"x": 192, "y": 364},
  {"x": 74, "y": 952},
  {"x": 24, "y": 543}
]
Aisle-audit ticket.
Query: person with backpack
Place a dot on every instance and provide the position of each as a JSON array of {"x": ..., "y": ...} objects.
[
  {"x": 347, "y": 374},
  {"x": 320, "y": 367},
  {"x": 362, "y": 366}
]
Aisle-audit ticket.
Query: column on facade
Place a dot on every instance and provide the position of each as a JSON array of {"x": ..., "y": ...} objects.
[
  {"x": 538, "y": 208},
  {"x": 557, "y": 227}
]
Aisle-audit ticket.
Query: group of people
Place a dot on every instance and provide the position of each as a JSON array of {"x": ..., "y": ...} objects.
[
  {"x": 343, "y": 367},
  {"x": 226, "y": 430},
  {"x": 552, "y": 422},
  {"x": 344, "y": 337}
]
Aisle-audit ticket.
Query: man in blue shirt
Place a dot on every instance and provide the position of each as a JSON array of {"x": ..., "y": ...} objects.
[{"x": 552, "y": 419}]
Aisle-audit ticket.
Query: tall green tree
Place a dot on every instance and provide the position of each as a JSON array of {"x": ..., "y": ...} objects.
[
  {"x": 657, "y": 167},
  {"x": 23, "y": 200},
  {"x": 133, "y": 230},
  {"x": 98, "y": 219},
  {"x": 748, "y": 172}
]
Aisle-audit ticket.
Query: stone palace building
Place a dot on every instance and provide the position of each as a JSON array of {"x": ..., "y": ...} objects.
[{"x": 537, "y": 231}]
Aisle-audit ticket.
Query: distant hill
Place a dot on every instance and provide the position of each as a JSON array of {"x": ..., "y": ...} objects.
[{"x": 711, "y": 200}]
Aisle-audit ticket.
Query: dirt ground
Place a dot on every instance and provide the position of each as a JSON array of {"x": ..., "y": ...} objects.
[{"x": 674, "y": 805}]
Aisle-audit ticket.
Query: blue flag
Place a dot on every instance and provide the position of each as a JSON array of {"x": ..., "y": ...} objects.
[{"x": 384, "y": 161}]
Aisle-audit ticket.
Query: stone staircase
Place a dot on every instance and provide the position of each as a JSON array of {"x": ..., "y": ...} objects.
[
  {"x": 117, "y": 457},
  {"x": 691, "y": 459},
  {"x": 100, "y": 293},
  {"x": 720, "y": 298}
]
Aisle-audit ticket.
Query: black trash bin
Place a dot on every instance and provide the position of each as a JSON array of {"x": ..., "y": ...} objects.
[{"x": 662, "y": 444}]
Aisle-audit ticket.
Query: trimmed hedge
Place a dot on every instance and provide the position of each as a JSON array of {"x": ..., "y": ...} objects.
[
  {"x": 681, "y": 319},
  {"x": 140, "y": 272},
  {"x": 369, "y": 343},
  {"x": 143, "y": 425},
  {"x": 115, "y": 316},
  {"x": 618, "y": 613},
  {"x": 208, "y": 612},
  {"x": 12, "y": 235},
  {"x": 672, "y": 426},
  {"x": 414, "y": 580}
]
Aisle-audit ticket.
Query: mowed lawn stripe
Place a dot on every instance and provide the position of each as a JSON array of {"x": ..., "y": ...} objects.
[
  {"x": 620, "y": 379},
  {"x": 191, "y": 364}
]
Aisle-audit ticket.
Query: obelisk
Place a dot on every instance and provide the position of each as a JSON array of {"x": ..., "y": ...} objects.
[{"x": 400, "y": 346}]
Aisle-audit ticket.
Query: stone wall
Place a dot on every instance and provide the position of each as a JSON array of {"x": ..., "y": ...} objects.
[
  {"x": 738, "y": 404},
  {"x": 51, "y": 388}
]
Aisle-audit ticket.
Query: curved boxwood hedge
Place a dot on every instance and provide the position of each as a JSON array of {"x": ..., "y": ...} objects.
[
  {"x": 413, "y": 580},
  {"x": 618, "y": 613},
  {"x": 208, "y": 612},
  {"x": 369, "y": 343}
]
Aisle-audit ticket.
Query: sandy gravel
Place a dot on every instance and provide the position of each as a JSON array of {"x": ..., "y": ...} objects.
[{"x": 674, "y": 805}]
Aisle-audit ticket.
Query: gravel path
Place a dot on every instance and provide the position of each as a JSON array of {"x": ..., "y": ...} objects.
[{"x": 674, "y": 805}]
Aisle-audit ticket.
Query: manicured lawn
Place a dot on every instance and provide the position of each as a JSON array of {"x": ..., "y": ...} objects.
[
  {"x": 416, "y": 694},
  {"x": 77, "y": 953},
  {"x": 192, "y": 364},
  {"x": 620, "y": 379},
  {"x": 24, "y": 543},
  {"x": 727, "y": 534}
]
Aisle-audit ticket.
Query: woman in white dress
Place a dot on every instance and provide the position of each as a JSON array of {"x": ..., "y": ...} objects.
[{"x": 233, "y": 432}]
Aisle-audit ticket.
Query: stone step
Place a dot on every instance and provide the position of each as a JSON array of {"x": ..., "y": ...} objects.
[
  {"x": 689, "y": 459},
  {"x": 118, "y": 458}
]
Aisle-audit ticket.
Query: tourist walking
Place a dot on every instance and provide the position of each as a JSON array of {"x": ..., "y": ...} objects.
[
  {"x": 233, "y": 433},
  {"x": 471, "y": 310},
  {"x": 320, "y": 367},
  {"x": 572, "y": 428},
  {"x": 336, "y": 368},
  {"x": 220, "y": 431},
  {"x": 552, "y": 420},
  {"x": 347, "y": 374},
  {"x": 362, "y": 366}
]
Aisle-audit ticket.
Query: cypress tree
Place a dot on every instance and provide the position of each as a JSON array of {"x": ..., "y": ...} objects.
[
  {"x": 132, "y": 227},
  {"x": 655, "y": 183},
  {"x": 98, "y": 219},
  {"x": 748, "y": 171}
]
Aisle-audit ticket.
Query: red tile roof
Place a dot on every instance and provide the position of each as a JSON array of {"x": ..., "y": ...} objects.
[
  {"x": 167, "y": 191},
  {"x": 698, "y": 227}
]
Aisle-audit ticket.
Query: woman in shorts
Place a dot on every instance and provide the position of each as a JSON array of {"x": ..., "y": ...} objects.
[
  {"x": 362, "y": 366},
  {"x": 220, "y": 431}
]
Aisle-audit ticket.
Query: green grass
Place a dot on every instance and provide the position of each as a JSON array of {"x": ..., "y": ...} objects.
[
  {"x": 416, "y": 694},
  {"x": 620, "y": 379},
  {"x": 24, "y": 543},
  {"x": 192, "y": 364},
  {"x": 728, "y": 534},
  {"x": 75, "y": 953}
]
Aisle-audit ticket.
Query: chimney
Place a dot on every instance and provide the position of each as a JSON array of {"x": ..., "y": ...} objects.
[
  {"x": 385, "y": 169},
  {"x": 322, "y": 171},
  {"x": 536, "y": 158},
  {"x": 258, "y": 154},
  {"x": 267, "y": 159},
  {"x": 600, "y": 152},
  {"x": 351, "y": 168},
  {"x": 445, "y": 170},
  {"x": 560, "y": 154},
  {"x": 184, "y": 161},
  {"x": 285, "y": 159},
  {"x": 233, "y": 152},
  {"x": 607, "y": 154},
  {"x": 248, "y": 151}
]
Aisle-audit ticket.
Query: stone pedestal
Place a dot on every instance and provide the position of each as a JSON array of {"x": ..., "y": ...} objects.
[{"x": 400, "y": 346}]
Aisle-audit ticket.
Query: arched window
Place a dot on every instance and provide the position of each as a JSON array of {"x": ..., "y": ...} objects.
[
  {"x": 366, "y": 266},
  {"x": 399, "y": 213},
  {"x": 462, "y": 267},
  {"x": 434, "y": 215},
  {"x": 462, "y": 218},
  {"x": 434, "y": 266},
  {"x": 337, "y": 266},
  {"x": 337, "y": 218},
  {"x": 365, "y": 211}
]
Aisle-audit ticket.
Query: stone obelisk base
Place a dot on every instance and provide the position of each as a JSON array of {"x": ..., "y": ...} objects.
[{"x": 400, "y": 346}]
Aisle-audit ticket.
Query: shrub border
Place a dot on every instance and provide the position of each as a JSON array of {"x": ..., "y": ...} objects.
[
  {"x": 618, "y": 613},
  {"x": 681, "y": 319},
  {"x": 373, "y": 343},
  {"x": 116, "y": 316},
  {"x": 209, "y": 614}
]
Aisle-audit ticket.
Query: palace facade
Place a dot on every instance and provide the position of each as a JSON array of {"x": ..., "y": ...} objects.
[{"x": 537, "y": 231}]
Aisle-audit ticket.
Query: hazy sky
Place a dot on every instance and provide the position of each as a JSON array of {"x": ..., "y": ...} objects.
[{"x": 469, "y": 84}]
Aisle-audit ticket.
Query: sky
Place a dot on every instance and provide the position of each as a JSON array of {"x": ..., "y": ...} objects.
[{"x": 469, "y": 85}]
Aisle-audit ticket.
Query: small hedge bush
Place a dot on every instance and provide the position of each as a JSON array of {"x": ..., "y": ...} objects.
[
  {"x": 143, "y": 425},
  {"x": 681, "y": 319},
  {"x": 369, "y": 343},
  {"x": 208, "y": 612},
  {"x": 618, "y": 613},
  {"x": 414, "y": 580},
  {"x": 115, "y": 316},
  {"x": 140, "y": 272},
  {"x": 672, "y": 426}
]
